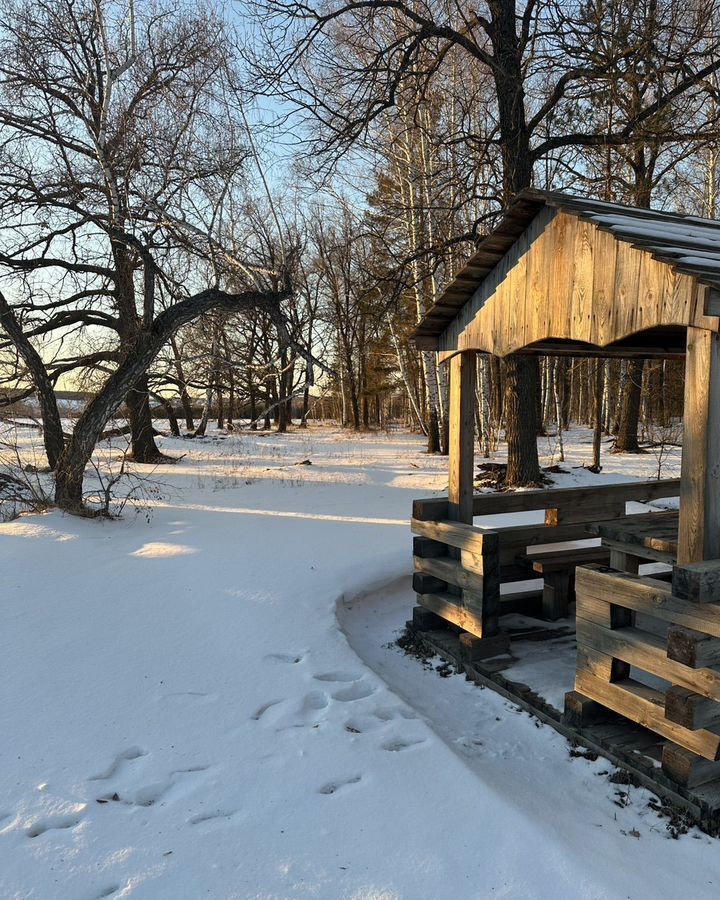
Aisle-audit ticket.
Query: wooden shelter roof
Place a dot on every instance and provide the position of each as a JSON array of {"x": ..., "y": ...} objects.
[{"x": 689, "y": 245}]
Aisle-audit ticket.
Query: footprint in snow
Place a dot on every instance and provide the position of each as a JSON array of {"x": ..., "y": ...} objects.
[
  {"x": 132, "y": 753},
  {"x": 315, "y": 700},
  {"x": 261, "y": 710},
  {"x": 288, "y": 658},
  {"x": 334, "y": 786},
  {"x": 179, "y": 782},
  {"x": 344, "y": 677},
  {"x": 107, "y": 891},
  {"x": 53, "y": 823},
  {"x": 399, "y": 744},
  {"x": 358, "y": 690},
  {"x": 217, "y": 816}
]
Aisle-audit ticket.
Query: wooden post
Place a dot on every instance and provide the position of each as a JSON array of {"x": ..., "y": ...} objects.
[
  {"x": 699, "y": 533},
  {"x": 462, "y": 437}
]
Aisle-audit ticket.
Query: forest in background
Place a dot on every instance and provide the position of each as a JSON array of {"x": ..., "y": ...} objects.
[{"x": 244, "y": 212}]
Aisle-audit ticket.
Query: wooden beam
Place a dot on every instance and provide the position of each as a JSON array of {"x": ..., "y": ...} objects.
[
  {"x": 692, "y": 648},
  {"x": 699, "y": 581},
  {"x": 581, "y": 504},
  {"x": 454, "y": 534},
  {"x": 691, "y": 710},
  {"x": 448, "y": 607},
  {"x": 646, "y": 706},
  {"x": 699, "y": 533},
  {"x": 646, "y": 651},
  {"x": 686, "y": 768},
  {"x": 646, "y": 595},
  {"x": 462, "y": 437}
]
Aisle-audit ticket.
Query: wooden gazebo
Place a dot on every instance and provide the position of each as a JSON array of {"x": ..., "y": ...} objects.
[{"x": 568, "y": 275}]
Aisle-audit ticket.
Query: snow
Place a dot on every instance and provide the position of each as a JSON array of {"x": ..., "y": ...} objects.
[{"x": 203, "y": 701}]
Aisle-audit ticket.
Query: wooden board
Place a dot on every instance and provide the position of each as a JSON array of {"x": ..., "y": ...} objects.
[
  {"x": 646, "y": 595},
  {"x": 699, "y": 536},
  {"x": 648, "y": 531},
  {"x": 461, "y": 437},
  {"x": 575, "y": 284},
  {"x": 646, "y": 706},
  {"x": 585, "y": 501},
  {"x": 646, "y": 651}
]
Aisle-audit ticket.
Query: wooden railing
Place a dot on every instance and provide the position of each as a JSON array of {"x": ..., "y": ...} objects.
[
  {"x": 459, "y": 568},
  {"x": 687, "y": 710}
]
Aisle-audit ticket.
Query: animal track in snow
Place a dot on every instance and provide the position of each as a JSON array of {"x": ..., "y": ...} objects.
[
  {"x": 108, "y": 891},
  {"x": 150, "y": 794},
  {"x": 359, "y": 725},
  {"x": 399, "y": 744},
  {"x": 59, "y": 823},
  {"x": 261, "y": 710},
  {"x": 290, "y": 658},
  {"x": 218, "y": 815},
  {"x": 128, "y": 755},
  {"x": 334, "y": 786},
  {"x": 358, "y": 690},
  {"x": 315, "y": 700},
  {"x": 337, "y": 676}
]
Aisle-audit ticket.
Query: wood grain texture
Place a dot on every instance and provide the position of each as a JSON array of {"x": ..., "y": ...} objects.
[
  {"x": 646, "y": 595},
  {"x": 699, "y": 533},
  {"x": 462, "y": 437},
  {"x": 567, "y": 278},
  {"x": 646, "y": 706}
]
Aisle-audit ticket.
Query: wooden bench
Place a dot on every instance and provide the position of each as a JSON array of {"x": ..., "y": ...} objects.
[{"x": 557, "y": 568}]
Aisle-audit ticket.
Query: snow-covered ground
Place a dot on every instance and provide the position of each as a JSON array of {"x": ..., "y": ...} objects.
[{"x": 198, "y": 701}]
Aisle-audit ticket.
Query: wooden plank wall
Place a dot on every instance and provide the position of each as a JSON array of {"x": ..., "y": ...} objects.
[
  {"x": 570, "y": 279},
  {"x": 687, "y": 710}
]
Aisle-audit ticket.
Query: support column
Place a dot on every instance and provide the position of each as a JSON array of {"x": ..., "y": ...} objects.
[
  {"x": 699, "y": 535},
  {"x": 462, "y": 437}
]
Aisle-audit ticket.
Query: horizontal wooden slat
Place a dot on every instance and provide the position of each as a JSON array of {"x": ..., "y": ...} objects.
[
  {"x": 656, "y": 532},
  {"x": 646, "y": 706},
  {"x": 446, "y": 606},
  {"x": 557, "y": 560},
  {"x": 451, "y": 571},
  {"x": 608, "y": 615},
  {"x": 647, "y": 595},
  {"x": 496, "y": 502},
  {"x": 455, "y": 534},
  {"x": 646, "y": 651},
  {"x": 600, "y": 508}
]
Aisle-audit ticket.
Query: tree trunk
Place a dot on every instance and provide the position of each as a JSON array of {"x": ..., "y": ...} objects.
[
  {"x": 521, "y": 388},
  {"x": 143, "y": 448},
  {"x": 184, "y": 396},
  {"x": 520, "y": 375},
  {"x": 626, "y": 440},
  {"x": 88, "y": 428},
  {"x": 53, "y": 437}
]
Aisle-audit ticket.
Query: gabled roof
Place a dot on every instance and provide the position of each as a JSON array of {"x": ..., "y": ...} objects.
[{"x": 689, "y": 244}]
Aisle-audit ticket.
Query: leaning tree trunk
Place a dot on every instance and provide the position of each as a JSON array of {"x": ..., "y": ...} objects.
[
  {"x": 53, "y": 437},
  {"x": 88, "y": 428}
]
